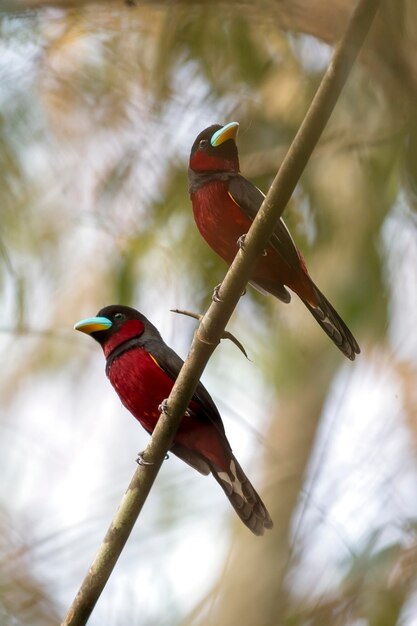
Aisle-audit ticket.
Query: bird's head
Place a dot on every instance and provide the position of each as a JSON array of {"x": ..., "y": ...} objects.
[
  {"x": 215, "y": 149},
  {"x": 116, "y": 324}
]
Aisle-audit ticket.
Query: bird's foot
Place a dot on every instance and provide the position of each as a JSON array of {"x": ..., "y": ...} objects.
[
  {"x": 141, "y": 461},
  {"x": 216, "y": 297},
  {"x": 241, "y": 244},
  {"x": 163, "y": 407}
]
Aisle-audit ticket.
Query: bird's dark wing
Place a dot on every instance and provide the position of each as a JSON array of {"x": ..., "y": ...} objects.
[
  {"x": 171, "y": 363},
  {"x": 249, "y": 198}
]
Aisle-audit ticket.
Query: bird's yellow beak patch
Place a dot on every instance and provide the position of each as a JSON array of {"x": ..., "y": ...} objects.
[
  {"x": 223, "y": 134},
  {"x": 93, "y": 325}
]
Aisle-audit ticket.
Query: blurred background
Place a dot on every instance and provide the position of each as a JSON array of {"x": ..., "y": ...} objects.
[{"x": 100, "y": 104}]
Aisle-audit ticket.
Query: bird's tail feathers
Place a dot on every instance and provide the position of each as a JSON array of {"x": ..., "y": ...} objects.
[
  {"x": 333, "y": 325},
  {"x": 192, "y": 458},
  {"x": 243, "y": 497}
]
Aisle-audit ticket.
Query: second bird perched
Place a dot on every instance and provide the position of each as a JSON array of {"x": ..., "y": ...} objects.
[{"x": 225, "y": 204}]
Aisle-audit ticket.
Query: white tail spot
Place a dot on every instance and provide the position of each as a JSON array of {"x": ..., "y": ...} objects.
[
  {"x": 327, "y": 320},
  {"x": 233, "y": 482}
]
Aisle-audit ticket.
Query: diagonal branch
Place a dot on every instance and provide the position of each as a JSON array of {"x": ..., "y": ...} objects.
[{"x": 213, "y": 323}]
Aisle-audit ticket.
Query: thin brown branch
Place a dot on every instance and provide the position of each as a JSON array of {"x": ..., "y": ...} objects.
[
  {"x": 213, "y": 323},
  {"x": 225, "y": 335}
]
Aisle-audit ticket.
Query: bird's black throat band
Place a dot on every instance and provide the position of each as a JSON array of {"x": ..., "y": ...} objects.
[
  {"x": 134, "y": 342},
  {"x": 198, "y": 179}
]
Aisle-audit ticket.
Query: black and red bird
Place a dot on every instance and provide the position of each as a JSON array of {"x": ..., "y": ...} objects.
[
  {"x": 142, "y": 369},
  {"x": 225, "y": 204}
]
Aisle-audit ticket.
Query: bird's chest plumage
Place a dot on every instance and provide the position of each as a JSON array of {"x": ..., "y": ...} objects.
[
  {"x": 219, "y": 219},
  {"x": 141, "y": 385}
]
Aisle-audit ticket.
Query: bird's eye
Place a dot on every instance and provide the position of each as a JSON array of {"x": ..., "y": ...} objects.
[
  {"x": 204, "y": 143},
  {"x": 118, "y": 316}
]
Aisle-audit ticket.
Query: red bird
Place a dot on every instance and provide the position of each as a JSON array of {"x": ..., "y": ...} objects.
[
  {"x": 225, "y": 204},
  {"x": 142, "y": 369}
]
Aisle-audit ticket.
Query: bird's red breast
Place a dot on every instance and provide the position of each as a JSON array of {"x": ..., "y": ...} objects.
[
  {"x": 142, "y": 385},
  {"x": 219, "y": 219},
  {"x": 221, "y": 222}
]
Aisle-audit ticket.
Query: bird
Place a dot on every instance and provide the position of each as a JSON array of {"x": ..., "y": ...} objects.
[
  {"x": 224, "y": 206},
  {"x": 142, "y": 369}
]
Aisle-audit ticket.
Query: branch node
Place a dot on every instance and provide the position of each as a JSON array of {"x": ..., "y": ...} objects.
[{"x": 206, "y": 341}]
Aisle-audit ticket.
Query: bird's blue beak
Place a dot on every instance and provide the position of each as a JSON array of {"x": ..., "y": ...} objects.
[
  {"x": 93, "y": 325},
  {"x": 223, "y": 134}
]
